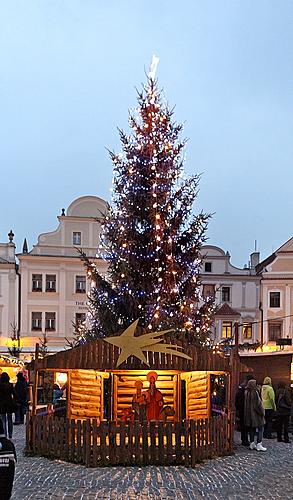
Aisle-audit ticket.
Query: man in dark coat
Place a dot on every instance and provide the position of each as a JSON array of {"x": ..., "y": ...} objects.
[
  {"x": 21, "y": 393},
  {"x": 7, "y": 403},
  {"x": 7, "y": 465},
  {"x": 284, "y": 403},
  {"x": 239, "y": 405}
]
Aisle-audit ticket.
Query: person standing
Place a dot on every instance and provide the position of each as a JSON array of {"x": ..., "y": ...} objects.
[
  {"x": 284, "y": 403},
  {"x": 7, "y": 464},
  {"x": 239, "y": 405},
  {"x": 254, "y": 415},
  {"x": 154, "y": 398},
  {"x": 7, "y": 403},
  {"x": 21, "y": 394},
  {"x": 269, "y": 404}
]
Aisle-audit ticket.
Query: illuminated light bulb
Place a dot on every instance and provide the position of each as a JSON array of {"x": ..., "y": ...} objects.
[
  {"x": 146, "y": 125},
  {"x": 156, "y": 315},
  {"x": 122, "y": 275},
  {"x": 160, "y": 269},
  {"x": 124, "y": 245},
  {"x": 158, "y": 238},
  {"x": 158, "y": 216},
  {"x": 160, "y": 280},
  {"x": 150, "y": 326},
  {"x": 154, "y": 195},
  {"x": 153, "y": 167},
  {"x": 169, "y": 257},
  {"x": 155, "y": 205},
  {"x": 140, "y": 306},
  {"x": 157, "y": 226}
]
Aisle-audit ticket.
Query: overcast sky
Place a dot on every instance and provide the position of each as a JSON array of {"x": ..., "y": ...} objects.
[{"x": 68, "y": 72}]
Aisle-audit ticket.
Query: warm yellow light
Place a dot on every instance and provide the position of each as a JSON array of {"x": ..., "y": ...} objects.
[{"x": 61, "y": 378}]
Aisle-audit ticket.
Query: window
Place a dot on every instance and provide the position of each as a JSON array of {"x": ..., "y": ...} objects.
[
  {"x": 275, "y": 330},
  {"x": 50, "y": 282},
  {"x": 80, "y": 284},
  {"x": 274, "y": 299},
  {"x": 37, "y": 283},
  {"x": 76, "y": 238},
  {"x": 247, "y": 330},
  {"x": 79, "y": 318},
  {"x": 208, "y": 291},
  {"x": 226, "y": 294},
  {"x": 226, "y": 329},
  {"x": 50, "y": 321},
  {"x": 207, "y": 267},
  {"x": 37, "y": 321}
]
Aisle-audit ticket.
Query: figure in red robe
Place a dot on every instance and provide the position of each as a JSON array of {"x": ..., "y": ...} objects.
[{"x": 154, "y": 398}]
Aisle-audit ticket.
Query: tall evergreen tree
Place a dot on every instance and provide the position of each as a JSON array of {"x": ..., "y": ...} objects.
[{"x": 150, "y": 237}]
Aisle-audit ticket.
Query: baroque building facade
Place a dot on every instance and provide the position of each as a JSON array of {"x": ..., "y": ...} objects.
[
  {"x": 277, "y": 294},
  {"x": 53, "y": 280},
  {"x": 237, "y": 294}
]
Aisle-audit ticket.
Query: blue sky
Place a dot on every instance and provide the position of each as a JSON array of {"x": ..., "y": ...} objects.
[{"x": 68, "y": 72}]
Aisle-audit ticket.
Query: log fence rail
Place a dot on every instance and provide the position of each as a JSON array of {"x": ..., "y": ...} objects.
[{"x": 110, "y": 443}]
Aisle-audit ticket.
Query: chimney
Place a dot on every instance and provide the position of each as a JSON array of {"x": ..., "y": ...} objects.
[{"x": 254, "y": 259}]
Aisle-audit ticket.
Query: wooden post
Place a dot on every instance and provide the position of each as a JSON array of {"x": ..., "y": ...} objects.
[{"x": 35, "y": 385}]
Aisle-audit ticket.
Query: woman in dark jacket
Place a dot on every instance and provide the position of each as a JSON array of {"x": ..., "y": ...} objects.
[
  {"x": 284, "y": 402},
  {"x": 21, "y": 393},
  {"x": 7, "y": 403},
  {"x": 254, "y": 415}
]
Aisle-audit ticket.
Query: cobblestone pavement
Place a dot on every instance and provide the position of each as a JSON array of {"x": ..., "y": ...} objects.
[{"x": 247, "y": 474}]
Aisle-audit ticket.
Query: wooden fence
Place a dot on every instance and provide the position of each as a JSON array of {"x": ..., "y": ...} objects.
[{"x": 151, "y": 443}]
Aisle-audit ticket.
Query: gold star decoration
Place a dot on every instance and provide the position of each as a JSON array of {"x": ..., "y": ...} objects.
[{"x": 134, "y": 346}]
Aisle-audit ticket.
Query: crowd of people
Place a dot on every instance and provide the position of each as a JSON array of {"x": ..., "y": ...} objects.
[
  {"x": 13, "y": 400},
  {"x": 258, "y": 407}
]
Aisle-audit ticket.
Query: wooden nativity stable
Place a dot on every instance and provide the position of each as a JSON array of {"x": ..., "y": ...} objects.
[{"x": 191, "y": 419}]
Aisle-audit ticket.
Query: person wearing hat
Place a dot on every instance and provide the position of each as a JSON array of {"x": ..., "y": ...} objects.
[
  {"x": 7, "y": 464},
  {"x": 154, "y": 398},
  {"x": 269, "y": 404}
]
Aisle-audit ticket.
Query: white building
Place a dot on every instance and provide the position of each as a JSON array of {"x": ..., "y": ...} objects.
[
  {"x": 277, "y": 294},
  {"x": 8, "y": 293},
  {"x": 53, "y": 280},
  {"x": 237, "y": 293}
]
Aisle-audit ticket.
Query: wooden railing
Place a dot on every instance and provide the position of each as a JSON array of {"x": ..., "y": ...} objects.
[{"x": 111, "y": 443}]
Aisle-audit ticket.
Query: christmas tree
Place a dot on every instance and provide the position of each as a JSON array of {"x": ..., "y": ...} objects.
[{"x": 150, "y": 237}]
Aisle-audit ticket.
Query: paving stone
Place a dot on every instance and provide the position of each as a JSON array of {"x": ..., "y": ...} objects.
[{"x": 245, "y": 475}]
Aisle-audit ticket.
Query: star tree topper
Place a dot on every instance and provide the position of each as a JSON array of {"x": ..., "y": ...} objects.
[{"x": 134, "y": 346}]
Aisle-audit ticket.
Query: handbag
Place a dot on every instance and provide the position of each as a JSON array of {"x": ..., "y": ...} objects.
[{"x": 282, "y": 405}]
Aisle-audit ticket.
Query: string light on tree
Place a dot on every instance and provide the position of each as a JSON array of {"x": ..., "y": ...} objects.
[{"x": 150, "y": 238}]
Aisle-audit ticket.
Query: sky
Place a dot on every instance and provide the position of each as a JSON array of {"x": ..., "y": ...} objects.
[{"x": 68, "y": 76}]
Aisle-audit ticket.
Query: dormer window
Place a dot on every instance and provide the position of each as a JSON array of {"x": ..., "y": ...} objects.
[
  {"x": 76, "y": 238},
  {"x": 207, "y": 267}
]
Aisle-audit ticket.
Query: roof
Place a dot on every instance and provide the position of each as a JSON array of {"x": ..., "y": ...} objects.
[
  {"x": 226, "y": 310},
  {"x": 102, "y": 356}
]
